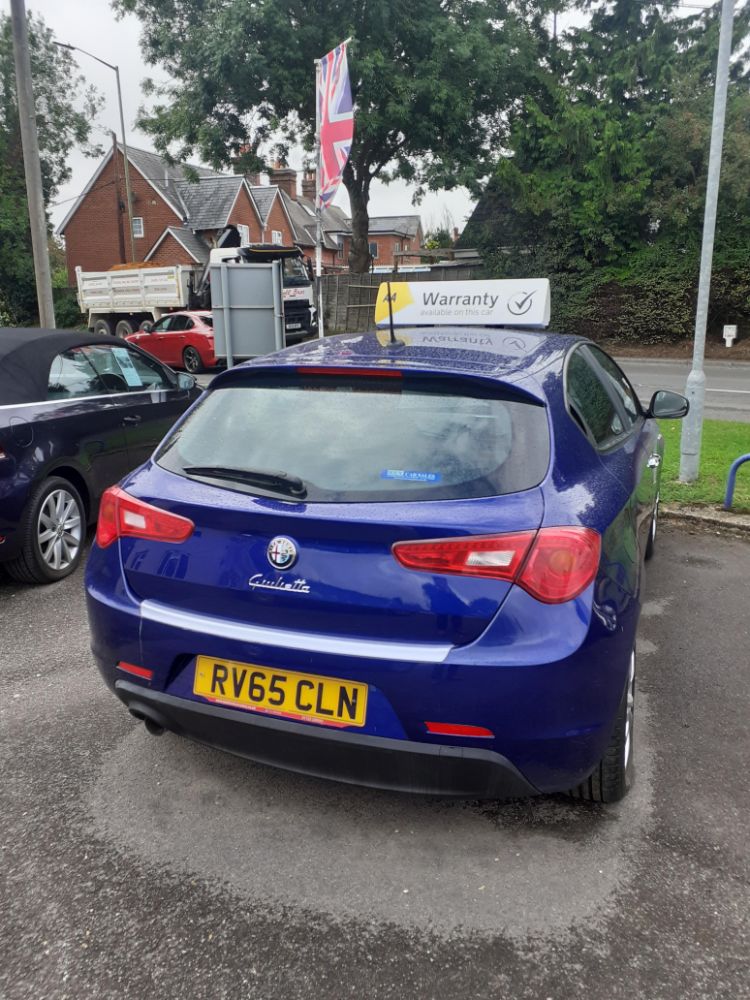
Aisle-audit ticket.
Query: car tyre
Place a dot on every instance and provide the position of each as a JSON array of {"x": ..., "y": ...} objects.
[
  {"x": 612, "y": 777},
  {"x": 191, "y": 360},
  {"x": 651, "y": 543},
  {"x": 104, "y": 328},
  {"x": 124, "y": 329},
  {"x": 55, "y": 502}
]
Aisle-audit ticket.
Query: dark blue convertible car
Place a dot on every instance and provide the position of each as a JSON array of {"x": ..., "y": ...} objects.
[
  {"x": 76, "y": 414},
  {"x": 412, "y": 567}
]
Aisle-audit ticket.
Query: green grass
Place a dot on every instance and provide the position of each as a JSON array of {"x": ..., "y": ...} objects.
[{"x": 723, "y": 441}]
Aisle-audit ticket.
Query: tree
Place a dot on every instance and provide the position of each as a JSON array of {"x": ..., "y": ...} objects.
[
  {"x": 431, "y": 80},
  {"x": 66, "y": 110},
  {"x": 605, "y": 183}
]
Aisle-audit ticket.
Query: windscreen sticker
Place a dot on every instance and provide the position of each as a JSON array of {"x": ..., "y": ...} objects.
[
  {"x": 128, "y": 369},
  {"x": 410, "y": 476}
]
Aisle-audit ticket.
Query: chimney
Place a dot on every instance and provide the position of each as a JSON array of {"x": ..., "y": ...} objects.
[
  {"x": 253, "y": 179},
  {"x": 286, "y": 179},
  {"x": 308, "y": 184}
]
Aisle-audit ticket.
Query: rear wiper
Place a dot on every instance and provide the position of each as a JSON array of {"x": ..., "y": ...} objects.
[{"x": 279, "y": 482}]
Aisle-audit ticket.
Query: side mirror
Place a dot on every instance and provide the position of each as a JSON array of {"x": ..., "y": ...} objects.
[
  {"x": 147, "y": 326},
  {"x": 667, "y": 405},
  {"x": 185, "y": 381}
]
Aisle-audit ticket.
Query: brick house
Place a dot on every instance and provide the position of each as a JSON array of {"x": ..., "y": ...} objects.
[
  {"x": 389, "y": 235},
  {"x": 180, "y": 210}
]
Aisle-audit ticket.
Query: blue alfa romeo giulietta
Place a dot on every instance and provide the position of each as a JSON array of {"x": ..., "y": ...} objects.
[{"x": 414, "y": 565}]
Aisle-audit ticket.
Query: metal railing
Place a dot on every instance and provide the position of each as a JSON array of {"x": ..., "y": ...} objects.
[{"x": 732, "y": 479}]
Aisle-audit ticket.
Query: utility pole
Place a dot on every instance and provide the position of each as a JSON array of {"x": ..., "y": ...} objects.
[
  {"x": 692, "y": 428},
  {"x": 31, "y": 165}
]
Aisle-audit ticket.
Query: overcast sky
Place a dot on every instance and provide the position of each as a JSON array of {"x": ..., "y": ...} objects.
[{"x": 91, "y": 24}]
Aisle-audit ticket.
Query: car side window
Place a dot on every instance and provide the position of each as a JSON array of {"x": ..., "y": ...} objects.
[
  {"x": 163, "y": 324},
  {"x": 590, "y": 402},
  {"x": 180, "y": 323},
  {"x": 125, "y": 370},
  {"x": 619, "y": 382},
  {"x": 72, "y": 376},
  {"x": 152, "y": 375}
]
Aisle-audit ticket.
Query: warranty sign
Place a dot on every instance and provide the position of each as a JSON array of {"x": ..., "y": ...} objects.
[{"x": 464, "y": 303}]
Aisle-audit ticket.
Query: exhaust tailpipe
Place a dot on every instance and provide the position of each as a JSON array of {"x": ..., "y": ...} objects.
[{"x": 153, "y": 722}]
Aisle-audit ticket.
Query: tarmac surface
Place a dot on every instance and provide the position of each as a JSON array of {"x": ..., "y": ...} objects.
[
  {"x": 135, "y": 866},
  {"x": 727, "y": 383}
]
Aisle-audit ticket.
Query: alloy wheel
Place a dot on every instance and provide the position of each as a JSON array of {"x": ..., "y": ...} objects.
[
  {"x": 654, "y": 520},
  {"x": 192, "y": 360},
  {"x": 629, "y": 710},
  {"x": 59, "y": 529}
]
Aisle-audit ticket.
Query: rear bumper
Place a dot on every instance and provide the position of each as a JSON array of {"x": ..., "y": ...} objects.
[{"x": 398, "y": 765}]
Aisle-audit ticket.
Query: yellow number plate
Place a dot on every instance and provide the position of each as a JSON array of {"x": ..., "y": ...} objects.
[{"x": 304, "y": 696}]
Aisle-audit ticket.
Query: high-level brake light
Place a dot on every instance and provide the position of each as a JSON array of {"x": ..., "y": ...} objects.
[
  {"x": 121, "y": 516},
  {"x": 343, "y": 370},
  {"x": 553, "y": 564}
]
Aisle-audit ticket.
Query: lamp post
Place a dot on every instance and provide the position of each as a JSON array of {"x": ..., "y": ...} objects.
[
  {"x": 128, "y": 196},
  {"x": 692, "y": 429}
]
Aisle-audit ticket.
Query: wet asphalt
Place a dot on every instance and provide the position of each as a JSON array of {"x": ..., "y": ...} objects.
[{"x": 134, "y": 866}]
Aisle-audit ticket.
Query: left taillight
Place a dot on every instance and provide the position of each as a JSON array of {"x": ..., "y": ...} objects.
[
  {"x": 553, "y": 564},
  {"x": 124, "y": 516}
]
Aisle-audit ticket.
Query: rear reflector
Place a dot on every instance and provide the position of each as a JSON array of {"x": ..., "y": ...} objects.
[
  {"x": 121, "y": 516},
  {"x": 131, "y": 668},
  {"x": 553, "y": 564},
  {"x": 452, "y": 729}
]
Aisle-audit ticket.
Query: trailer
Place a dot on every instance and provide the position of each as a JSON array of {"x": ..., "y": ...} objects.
[{"x": 117, "y": 302}]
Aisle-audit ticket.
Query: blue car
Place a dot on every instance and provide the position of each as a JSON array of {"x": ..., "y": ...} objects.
[
  {"x": 76, "y": 414},
  {"x": 413, "y": 567}
]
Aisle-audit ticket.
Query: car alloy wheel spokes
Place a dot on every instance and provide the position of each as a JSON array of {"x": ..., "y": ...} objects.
[
  {"x": 630, "y": 708},
  {"x": 59, "y": 530},
  {"x": 192, "y": 361}
]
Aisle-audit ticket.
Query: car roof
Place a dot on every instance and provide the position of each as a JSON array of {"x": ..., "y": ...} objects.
[
  {"x": 26, "y": 355},
  {"x": 505, "y": 354}
]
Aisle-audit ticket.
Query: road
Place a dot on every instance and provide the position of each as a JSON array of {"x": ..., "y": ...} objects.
[
  {"x": 727, "y": 383},
  {"x": 137, "y": 866}
]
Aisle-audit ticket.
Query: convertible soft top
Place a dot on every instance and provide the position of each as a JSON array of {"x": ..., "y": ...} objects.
[{"x": 26, "y": 356}]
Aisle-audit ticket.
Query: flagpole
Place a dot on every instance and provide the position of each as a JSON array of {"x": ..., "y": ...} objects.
[{"x": 318, "y": 209}]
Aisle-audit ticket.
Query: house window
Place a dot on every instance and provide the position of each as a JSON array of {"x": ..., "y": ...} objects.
[
  {"x": 137, "y": 227},
  {"x": 276, "y": 237},
  {"x": 373, "y": 247},
  {"x": 406, "y": 247},
  {"x": 244, "y": 232},
  {"x": 396, "y": 247},
  {"x": 340, "y": 247}
]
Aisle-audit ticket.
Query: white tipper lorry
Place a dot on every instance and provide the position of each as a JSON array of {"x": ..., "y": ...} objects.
[{"x": 117, "y": 302}]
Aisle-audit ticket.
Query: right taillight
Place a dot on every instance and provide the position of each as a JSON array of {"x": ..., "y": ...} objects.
[
  {"x": 122, "y": 515},
  {"x": 561, "y": 564},
  {"x": 553, "y": 564}
]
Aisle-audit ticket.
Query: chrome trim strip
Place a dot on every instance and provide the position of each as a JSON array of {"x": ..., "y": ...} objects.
[
  {"x": 81, "y": 399},
  {"x": 224, "y": 628}
]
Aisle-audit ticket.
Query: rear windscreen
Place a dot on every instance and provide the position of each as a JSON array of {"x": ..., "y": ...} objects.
[{"x": 367, "y": 439}]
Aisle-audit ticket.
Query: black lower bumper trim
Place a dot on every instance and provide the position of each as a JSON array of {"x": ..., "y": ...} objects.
[{"x": 399, "y": 765}]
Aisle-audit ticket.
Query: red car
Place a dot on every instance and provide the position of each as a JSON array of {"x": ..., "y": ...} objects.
[{"x": 180, "y": 340}]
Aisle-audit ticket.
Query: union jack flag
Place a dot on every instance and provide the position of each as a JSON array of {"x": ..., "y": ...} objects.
[{"x": 336, "y": 117}]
